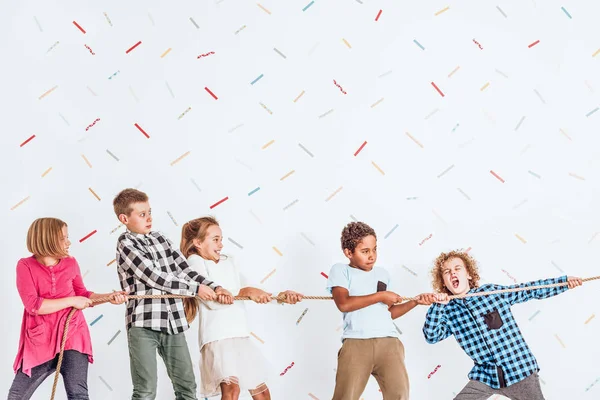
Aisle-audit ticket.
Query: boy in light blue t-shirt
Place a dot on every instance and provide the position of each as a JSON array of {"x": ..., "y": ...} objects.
[{"x": 371, "y": 344}]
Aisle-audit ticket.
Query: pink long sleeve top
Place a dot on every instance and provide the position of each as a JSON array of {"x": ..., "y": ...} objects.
[{"x": 41, "y": 335}]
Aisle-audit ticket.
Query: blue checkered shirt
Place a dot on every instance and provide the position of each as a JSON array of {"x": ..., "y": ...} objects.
[{"x": 487, "y": 331}]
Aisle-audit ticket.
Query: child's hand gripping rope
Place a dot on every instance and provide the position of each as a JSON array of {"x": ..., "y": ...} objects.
[{"x": 264, "y": 297}]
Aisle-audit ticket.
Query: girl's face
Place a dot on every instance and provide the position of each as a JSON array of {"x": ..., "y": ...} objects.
[
  {"x": 210, "y": 247},
  {"x": 64, "y": 241}
]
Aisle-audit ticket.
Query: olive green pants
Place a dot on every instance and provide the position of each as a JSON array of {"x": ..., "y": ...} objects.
[{"x": 173, "y": 349}]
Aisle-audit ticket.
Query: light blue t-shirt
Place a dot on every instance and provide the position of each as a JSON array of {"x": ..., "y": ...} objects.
[{"x": 374, "y": 321}]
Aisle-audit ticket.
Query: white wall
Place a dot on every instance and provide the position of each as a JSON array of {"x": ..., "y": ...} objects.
[{"x": 549, "y": 197}]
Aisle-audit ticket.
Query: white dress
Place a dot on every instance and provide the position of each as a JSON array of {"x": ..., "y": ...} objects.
[{"x": 227, "y": 353}]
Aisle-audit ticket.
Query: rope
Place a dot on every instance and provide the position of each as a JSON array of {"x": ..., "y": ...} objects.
[
  {"x": 62, "y": 351},
  {"x": 519, "y": 289},
  {"x": 281, "y": 298}
]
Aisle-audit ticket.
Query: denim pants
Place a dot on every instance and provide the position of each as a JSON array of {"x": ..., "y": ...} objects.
[
  {"x": 74, "y": 370},
  {"x": 173, "y": 349}
]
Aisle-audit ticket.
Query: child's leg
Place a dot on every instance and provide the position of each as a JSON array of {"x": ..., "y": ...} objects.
[
  {"x": 528, "y": 389},
  {"x": 261, "y": 392},
  {"x": 175, "y": 353},
  {"x": 142, "y": 362},
  {"x": 389, "y": 369},
  {"x": 74, "y": 370},
  {"x": 229, "y": 391},
  {"x": 355, "y": 364},
  {"x": 476, "y": 390},
  {"x": 24, "y": 386}
]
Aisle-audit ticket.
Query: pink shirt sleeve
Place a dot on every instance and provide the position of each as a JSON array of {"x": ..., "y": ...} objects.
[
  {"x": 78, "y": 285},
  {"x": 27, "y": 290}
]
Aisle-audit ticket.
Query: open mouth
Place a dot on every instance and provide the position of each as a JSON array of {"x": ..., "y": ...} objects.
[{"x": 455, "y": 282}]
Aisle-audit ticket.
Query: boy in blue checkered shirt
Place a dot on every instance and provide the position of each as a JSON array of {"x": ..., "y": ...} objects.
[{"x": 485, "y": 328}]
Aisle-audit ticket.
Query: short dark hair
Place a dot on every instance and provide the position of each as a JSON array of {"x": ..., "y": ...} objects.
[
  {"x": 354, "y": 233},
  {"x": 123, "y": 202}
]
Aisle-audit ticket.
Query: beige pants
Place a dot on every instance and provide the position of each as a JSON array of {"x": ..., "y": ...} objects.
[{"x": 381, "y": 357}]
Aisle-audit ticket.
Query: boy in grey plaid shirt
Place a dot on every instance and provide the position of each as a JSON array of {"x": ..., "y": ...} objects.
[
  {"x": 148, "y": 264},
  {"x": 485, "y": 328}
]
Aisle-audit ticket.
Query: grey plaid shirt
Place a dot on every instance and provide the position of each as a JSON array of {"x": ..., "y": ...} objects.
[{"x": 148, "y": 264}]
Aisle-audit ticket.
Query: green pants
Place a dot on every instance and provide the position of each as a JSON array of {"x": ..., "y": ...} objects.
[{"x": 173, "y": 349}]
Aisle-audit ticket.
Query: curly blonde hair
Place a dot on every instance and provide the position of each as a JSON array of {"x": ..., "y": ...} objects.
[{"x": 437, "y": 277}]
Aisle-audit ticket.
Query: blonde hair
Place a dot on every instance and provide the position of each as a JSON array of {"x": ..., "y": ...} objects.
[
  {"x": 122, "y": 203},
  {"x": 194, "y": 229},
  {"x": 438, "y": 277},
  {"x": 44, "y": 236}
]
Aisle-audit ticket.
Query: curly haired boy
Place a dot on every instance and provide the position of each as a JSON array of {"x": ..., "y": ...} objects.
[
  {"x": 485, "y": 328},
  {"x": 371, "y": 344}
]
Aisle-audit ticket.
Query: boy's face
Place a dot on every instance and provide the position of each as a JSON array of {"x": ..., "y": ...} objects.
[
  {"x": 456, "y": 277},
  {"x": 364, "y": 255},
  {"x": 140, "y": 219}
]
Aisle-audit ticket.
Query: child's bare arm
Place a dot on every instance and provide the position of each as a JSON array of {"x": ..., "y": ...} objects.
[
  {"x": 257, "y": 295},
  {"x": 424, "y": 299},
  {"x": 400, "y": 309},
  {"x": 347, "y": 303}
]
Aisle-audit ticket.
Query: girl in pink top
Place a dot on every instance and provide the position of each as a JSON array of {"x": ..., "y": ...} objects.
[{"x": 50, "y": 283}]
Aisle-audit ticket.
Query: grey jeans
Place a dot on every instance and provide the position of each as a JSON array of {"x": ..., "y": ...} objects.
[
  {"x": 527, "y": 389},
  {"x": 74, "y": 370},
  {"x": 173, "y": 349}
]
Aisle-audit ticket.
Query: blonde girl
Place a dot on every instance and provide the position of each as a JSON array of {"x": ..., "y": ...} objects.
[
  {"x": 50, "y": 284},
  {"x": 229, "y": 361}
]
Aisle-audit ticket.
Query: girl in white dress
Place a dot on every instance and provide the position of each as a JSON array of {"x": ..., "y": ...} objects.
[{"x": 229, "y": 361}]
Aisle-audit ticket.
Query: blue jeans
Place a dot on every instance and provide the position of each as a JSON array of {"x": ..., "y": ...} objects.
[{"x": 74, "y": 370}]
